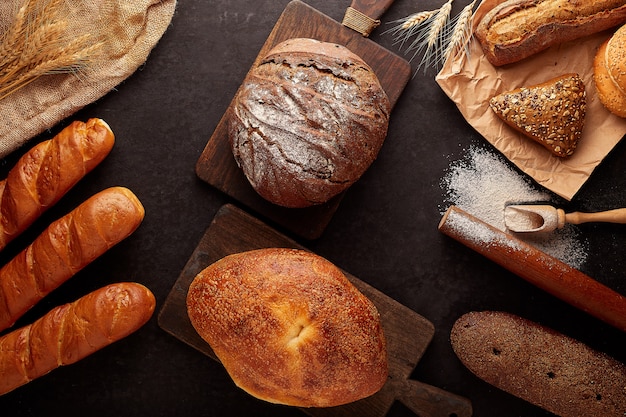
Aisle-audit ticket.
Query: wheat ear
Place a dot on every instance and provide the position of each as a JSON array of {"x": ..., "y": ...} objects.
[
  {"x": 37, "y": 44},
  {"x": 460, "y": 33},
  {"x": 432, "y": 44}
]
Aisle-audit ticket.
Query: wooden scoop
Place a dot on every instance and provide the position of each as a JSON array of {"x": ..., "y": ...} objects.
[{"x": 545, "y": 218}]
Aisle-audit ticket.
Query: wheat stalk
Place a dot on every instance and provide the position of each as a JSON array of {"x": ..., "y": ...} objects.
[
  {"x": 37, "y": 43},
  {"x": 433, "y": 34},
  {"x": 434, "y": 39},
  {"x": 460, "y": 33}
]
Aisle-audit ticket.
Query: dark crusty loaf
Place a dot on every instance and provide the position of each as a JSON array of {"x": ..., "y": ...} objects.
[
  {"x": 290, "y": 328},
  {"x": 551, "y": 113},
  {"x": 307, "y": 122},
  {"x": 516, "y": 29},
  {"x": 539, "y": 365}
]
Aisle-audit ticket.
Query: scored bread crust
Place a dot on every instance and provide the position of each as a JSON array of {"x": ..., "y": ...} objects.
[
  {"x": 551, "y": 113},
  {"x": 71, "y": 332},
  {"x": 535, "y": 363},
  {"x": 516, "y": 29},
  {"x": 290, "y": 328},
  {"x": 307, "y": 122}
]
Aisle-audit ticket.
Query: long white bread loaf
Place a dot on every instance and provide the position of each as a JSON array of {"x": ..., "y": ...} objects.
[{"x": 73, "y": 331}]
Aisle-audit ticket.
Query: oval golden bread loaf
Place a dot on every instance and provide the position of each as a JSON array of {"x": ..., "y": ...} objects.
[{"x": 290, "y": 328}]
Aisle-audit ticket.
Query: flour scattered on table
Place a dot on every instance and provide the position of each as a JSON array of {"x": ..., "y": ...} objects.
[{"x": 482, "y": 184}]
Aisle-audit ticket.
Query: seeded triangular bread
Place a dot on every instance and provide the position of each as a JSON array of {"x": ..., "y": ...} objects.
[{"x": 551, "y": 113}]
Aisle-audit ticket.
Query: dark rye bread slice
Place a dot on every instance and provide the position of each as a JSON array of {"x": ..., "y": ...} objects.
[
  {"x": 307, "y": 122},
  {"x": 551, "y": 113},
  {"x": 535, "y": 363}
]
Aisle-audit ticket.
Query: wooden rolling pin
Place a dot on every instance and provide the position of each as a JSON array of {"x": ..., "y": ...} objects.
[{"x": 536, "y": 267}]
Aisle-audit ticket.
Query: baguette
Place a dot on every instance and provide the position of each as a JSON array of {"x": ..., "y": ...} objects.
[
  {"x": 47, "y": 172},
  {"x": 64, "y": 248},
  {"x": 539, "y": 365},
  {"x": 516, "y": 29},
  {"x": 73, "y": 331}
]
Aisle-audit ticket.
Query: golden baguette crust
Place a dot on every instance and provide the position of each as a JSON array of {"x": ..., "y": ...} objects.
[
  {"x": 516, "y": 29},
  {"x": 609, "y": 94},
  {"x": 64, "y": 248},
  {"x": 290, "y": 328},
  {"x": 551, "y": 113},
  {"x": 73, "y": 331},
  {"x": 539, "y": 365},
  {"x": 47, "y": 171}
]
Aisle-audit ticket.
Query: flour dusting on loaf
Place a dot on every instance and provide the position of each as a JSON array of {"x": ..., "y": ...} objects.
[
  {"x": 307, "y": 122},
  {"x": 290, "y": 328},
  {"x": 516, "y": 29}
]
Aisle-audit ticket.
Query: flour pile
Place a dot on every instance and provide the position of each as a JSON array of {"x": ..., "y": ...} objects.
[{"x": 483, "y": 183}]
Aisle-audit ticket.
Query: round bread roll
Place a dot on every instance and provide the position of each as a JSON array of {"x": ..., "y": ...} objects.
[
  {"x": 616, "y": 58},
  {"x": 609, "y": 94},
  {"x": 307, "y": 122},
  {"x": 290, "y": 328}
]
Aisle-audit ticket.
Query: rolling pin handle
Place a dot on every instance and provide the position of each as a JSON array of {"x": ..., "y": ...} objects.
[
  {"x": 609, "y": 216},
  {"x": 364, "y": 16}
]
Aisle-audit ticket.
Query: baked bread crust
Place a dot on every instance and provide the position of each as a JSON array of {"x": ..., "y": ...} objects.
[
  {"x": 516, "y": 29},
  {"x": 609, "y": 94},
  {"x": 551, "y": 113},
  {"x": 290, "y": 328},
  {"x": 307, "y": 122},
  {"x": 615, "y": 59},
  {"x": 535, "y": 363}
]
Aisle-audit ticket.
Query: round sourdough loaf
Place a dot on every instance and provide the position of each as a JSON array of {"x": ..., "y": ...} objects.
[
  {"x": 307, "y": 122},
  {"x": 290, "y": 328}
]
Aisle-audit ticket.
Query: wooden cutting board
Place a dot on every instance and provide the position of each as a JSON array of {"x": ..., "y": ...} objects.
[
  {"x": 408, "y": 334},
  {"x": 217, "y": 165}
]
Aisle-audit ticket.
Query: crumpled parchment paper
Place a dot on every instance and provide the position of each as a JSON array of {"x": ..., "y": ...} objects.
[
  {"x": 471, "y": 82},
  {"x": 130, "y": 28}
]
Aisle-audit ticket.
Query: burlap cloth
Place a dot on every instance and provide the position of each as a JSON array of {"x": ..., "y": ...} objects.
[{"x": 130, "y": 29}]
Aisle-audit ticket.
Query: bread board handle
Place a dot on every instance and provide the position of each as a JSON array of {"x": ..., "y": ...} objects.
[
  {"x": 364, "y": 16},
  {"x": 428, "y": 401}
]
